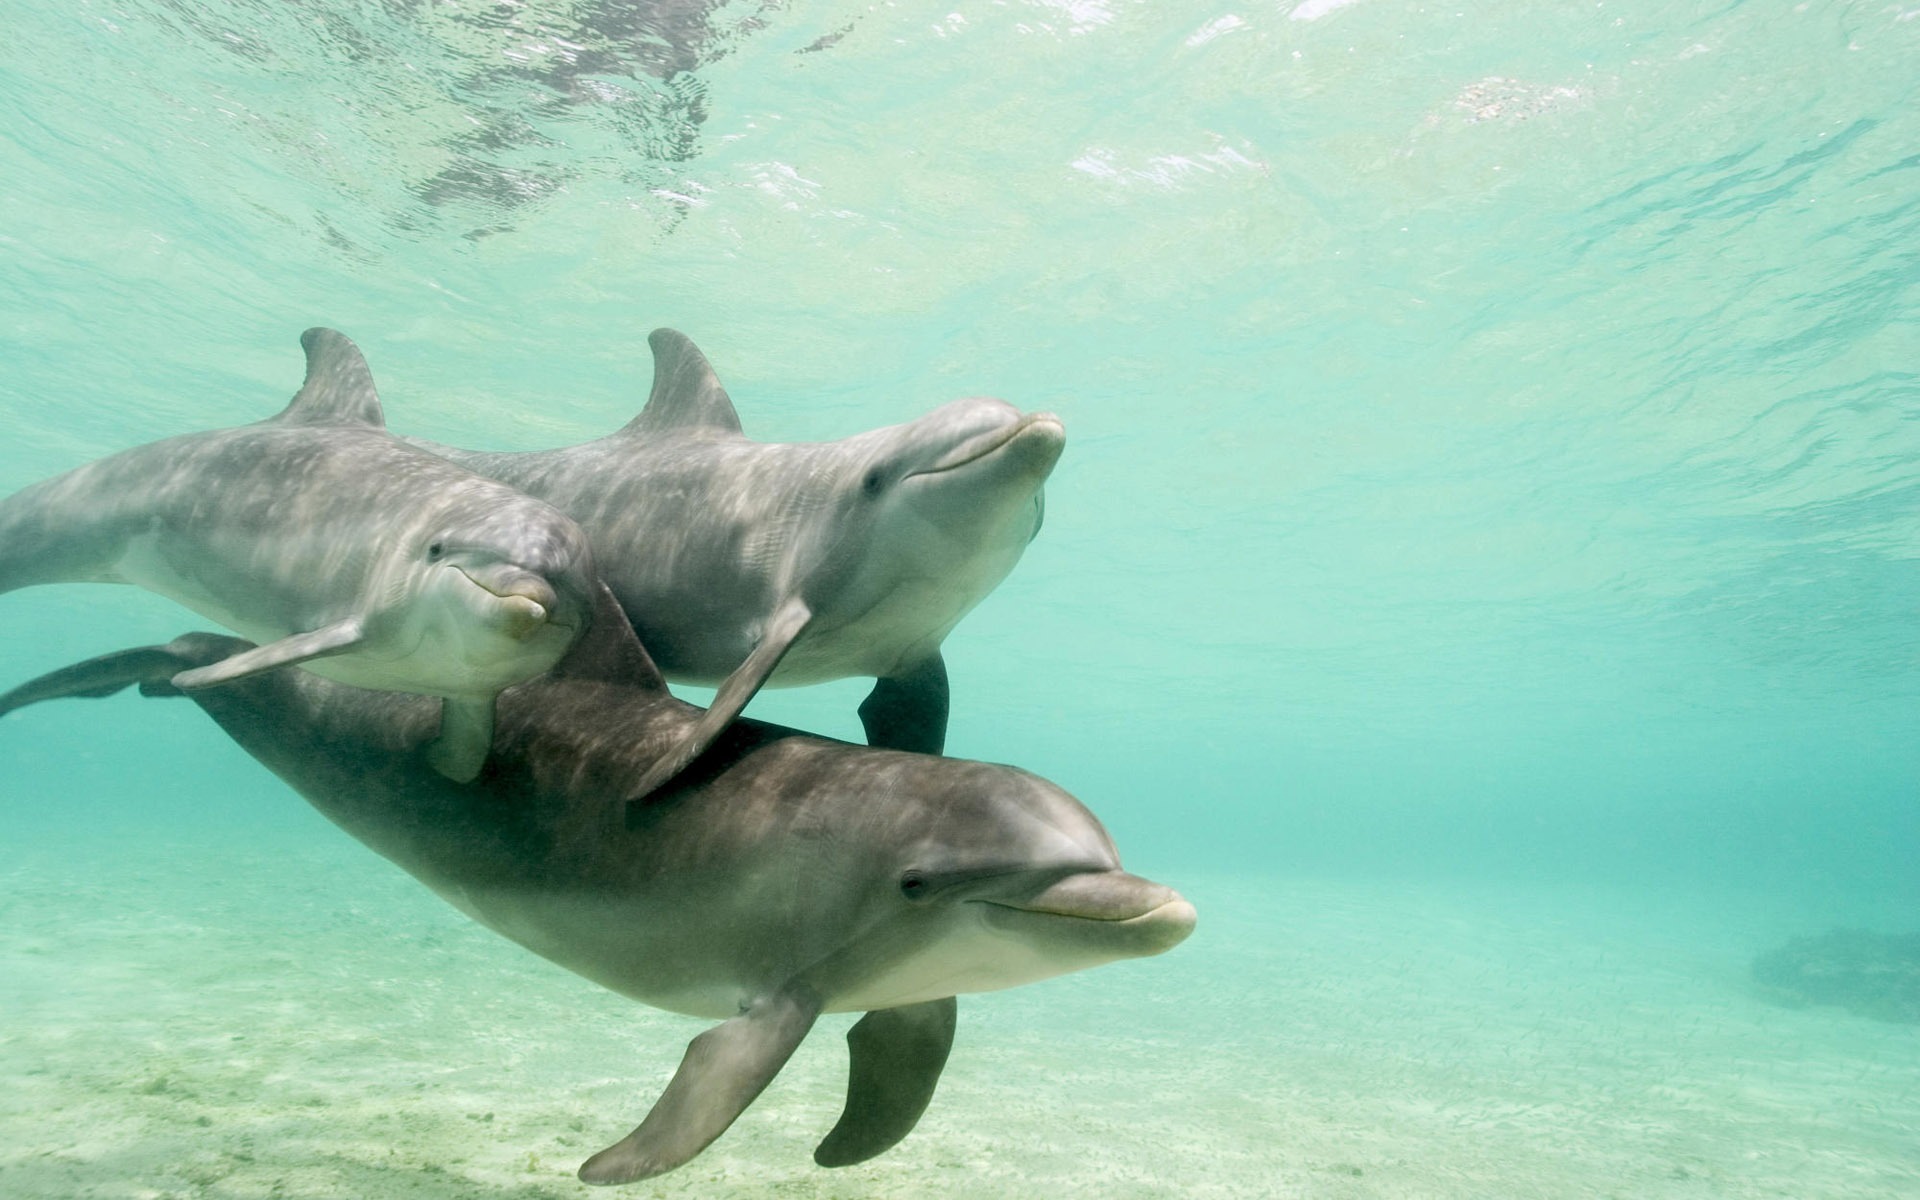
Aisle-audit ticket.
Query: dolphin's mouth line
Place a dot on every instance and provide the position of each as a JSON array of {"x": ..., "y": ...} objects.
[
  {"x": 509, "y": 594},
  {"x": 1038, "y": 911},
  {"x": 973, "y": 451},
  {"x": 541, "y": 606}
]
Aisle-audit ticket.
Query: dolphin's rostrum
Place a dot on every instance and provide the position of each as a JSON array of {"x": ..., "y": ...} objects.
[
  {"x": 779, "y": 877},
  {"x": 744, "y": 563},
  {"x": 336, "y": 546}
]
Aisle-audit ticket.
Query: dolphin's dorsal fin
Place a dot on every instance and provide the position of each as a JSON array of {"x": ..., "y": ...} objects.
[
  {"x": 339, "y": 387},
  {"x": 610, "y": 652},
  {"x": 686, "y": 393}
]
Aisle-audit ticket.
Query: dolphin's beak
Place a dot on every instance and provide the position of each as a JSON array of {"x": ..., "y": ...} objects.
[
  {"x": 1047, "y": 430},
  {"x": 523, "y": 617},
  {"x": 1158, "y": 916},
  {"x": 1097, "y": 896},
  {"x": 529, "y": 599}
]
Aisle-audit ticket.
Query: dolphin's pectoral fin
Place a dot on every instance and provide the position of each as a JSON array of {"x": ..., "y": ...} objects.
[
  {"x": 725, "y": 1068},
  {"x": 323, "y": 642},
  {"x": 908, "y": 711},
  {"x": 466, "y": 736},
  {"x": 897, "y": 1055},
  {"x": 738, "y": 688}
]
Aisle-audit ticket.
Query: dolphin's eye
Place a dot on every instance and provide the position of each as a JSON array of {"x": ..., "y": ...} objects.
[
  {"x": 913, "y": 885},
  {"x": 435, "y": 550},
  {"x": 873, "y": 482}
]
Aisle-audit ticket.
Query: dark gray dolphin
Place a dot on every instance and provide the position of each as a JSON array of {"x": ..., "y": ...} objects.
[
  {"x": 744, "y": 563},
  {"x": 779, "y": 877},
  {"x": 336, "y": 546}
]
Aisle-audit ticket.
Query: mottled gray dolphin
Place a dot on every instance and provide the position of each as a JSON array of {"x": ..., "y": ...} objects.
[
  {"x": 336, "y": 546},
  {"x": 780, "y": 877},
  {"x": 744, "y": 563}
]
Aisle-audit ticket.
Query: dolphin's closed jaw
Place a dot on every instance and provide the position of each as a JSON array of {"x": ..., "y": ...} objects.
[
  {"x": 1097, "y": 896},
  {"x": 1170, "y": 924},
  {"x": 522, "y": 617},
  {"x": 1046, "y": 430},
  {"x": 1151, "y": 917},
  {"x": 528, "y": 599}
]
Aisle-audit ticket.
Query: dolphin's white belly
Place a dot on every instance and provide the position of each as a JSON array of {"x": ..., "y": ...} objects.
[
  {"x": 966, "y": 961},
  {"x": 913, "y": 586},
  {"x": 893, "y": 623},
  {"x": 903, "y": 629}
]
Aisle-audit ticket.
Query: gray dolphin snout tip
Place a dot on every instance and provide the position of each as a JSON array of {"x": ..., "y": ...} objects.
[
  {"x": 523, "y": 617},
  {"x": 528, "y": 601},
  {"x": 523, "y": 585},
  {"x": 1038, "y": 436},
  {"x": 1046, "y": 433},
  {"x": 1045, "y": 423},
  {"x": 1110, "y": 895},
  {"x": 1173, "y": 922},
  {"x": 1160, "y": 916},
  {"x": 1036, "y": 442}
]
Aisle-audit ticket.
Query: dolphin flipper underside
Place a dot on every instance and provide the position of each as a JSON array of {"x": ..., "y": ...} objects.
[
  {"x": 724, "y": 1070},
  {"x": 738, "y": 688},
  {"x": 908, "y": 711},
  {"x": 897, "y": 1055},
  {"x": 328, "y": 640},
  {"x": 466, "y": 737}
]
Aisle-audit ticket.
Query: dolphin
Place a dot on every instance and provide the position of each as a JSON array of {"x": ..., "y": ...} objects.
[
  {"x": 745, "y": 564},
  {"x": 325, "y": 538},
  {"x": 780, "y": 877}
]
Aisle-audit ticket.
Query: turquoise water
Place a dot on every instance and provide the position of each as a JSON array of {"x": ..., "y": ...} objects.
[{"x": 1488, "y": 534}]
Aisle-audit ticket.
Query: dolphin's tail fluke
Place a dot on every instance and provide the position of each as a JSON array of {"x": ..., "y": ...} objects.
[{"x": 149, "y": 667}]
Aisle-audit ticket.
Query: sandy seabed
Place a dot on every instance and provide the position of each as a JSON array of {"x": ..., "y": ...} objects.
[{"x": 305, "y": 1021}]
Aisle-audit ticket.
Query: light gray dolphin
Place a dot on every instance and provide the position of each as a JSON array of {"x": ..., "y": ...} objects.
[
  {"x": 336, "y": 546},
  {"x": 780, "y": 877},
  {"x": 745, "y": 564}
]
